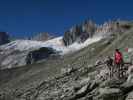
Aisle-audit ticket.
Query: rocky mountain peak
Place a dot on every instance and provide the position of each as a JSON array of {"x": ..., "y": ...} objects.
[
  {"x": 111, "y": 26},
  {"x": 44, "y": 36},
  {"x": 88, "y": 26},
  {"x": 80, "y": 33},
  {"x": 4, "y": 38}
]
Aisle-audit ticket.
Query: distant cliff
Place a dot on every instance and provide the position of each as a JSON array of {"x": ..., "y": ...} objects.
[
  {"x": 4, "y": 38},
  {"x": 43, "y": 37},
  {"x": 79, "y": 33}
]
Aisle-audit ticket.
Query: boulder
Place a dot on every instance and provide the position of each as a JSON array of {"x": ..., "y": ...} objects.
[
  {"x": 129, "y": 96},
  {"x": 66, "y": 70},
  {"x": 129, "y": 74},
  {"x": 82, "y": 90},
  {"x": 80, "y": 93},
  {"x": 85, "y": 80},
  {"x": 109, "y": 93},
  {"x": 126, "y": 87},
  {"x": 104, "y": 74}
]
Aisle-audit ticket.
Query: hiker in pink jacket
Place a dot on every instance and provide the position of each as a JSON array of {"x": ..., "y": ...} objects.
[
  {"x": 118, "y": 57},
  {"x": 118, "y": 60}
]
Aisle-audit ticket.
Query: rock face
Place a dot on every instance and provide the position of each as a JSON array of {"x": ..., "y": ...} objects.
[
  {"x": 113, "y": 26},
  {"x": 4, "y": 38},
  {"x": 72, "y": 35},
  {"x": 89, "y": 27},
  {"x": 43, "y": 37},
  {"x": 80, "y": 33},
  {"x": 40, "y": 54}
]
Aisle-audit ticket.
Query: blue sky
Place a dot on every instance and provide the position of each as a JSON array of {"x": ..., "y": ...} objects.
[{"x": 22, "y": 18}]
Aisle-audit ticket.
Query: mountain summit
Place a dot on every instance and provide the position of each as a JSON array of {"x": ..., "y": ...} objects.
[
  {"x": 43, "y": 37},
  {"x": 4, "y": 38}
]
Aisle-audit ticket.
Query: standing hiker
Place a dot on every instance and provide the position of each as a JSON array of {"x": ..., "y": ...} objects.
[{"x": 119, "y": 62}]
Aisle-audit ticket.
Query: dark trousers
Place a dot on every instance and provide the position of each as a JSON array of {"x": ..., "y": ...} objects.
[{"x": 120, "y": 70}]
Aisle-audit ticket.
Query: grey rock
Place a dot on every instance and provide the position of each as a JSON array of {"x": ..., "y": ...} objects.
[
  {"x": 83, "y": 90},
  {"x": 85, "y": 81},
  {"x": 80, "y": 93},
  {"x": 129, "y": 96},
  {"x": 109, "y": 93},
  {"x": 126, "y": 87}
]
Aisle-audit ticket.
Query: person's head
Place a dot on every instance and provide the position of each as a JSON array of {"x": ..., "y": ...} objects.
[{"x": 117, "y": 50}]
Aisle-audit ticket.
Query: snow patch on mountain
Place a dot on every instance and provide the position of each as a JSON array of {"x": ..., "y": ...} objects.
[
  {"x": 77, "y": 46},
  {"x": 14, "y": 54},
  {"x": 22, "y": 45},
  {"x": 56, "y": 43}
]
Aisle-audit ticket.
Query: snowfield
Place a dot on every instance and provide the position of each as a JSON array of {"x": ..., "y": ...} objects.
[
  {"x": 23, "y": 45},
  {"x": 14, "y": 53},
  {"x": 56, "y": 43}
]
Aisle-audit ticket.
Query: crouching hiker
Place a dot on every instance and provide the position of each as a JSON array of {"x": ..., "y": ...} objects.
[{"x": 109, "y": 63}]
